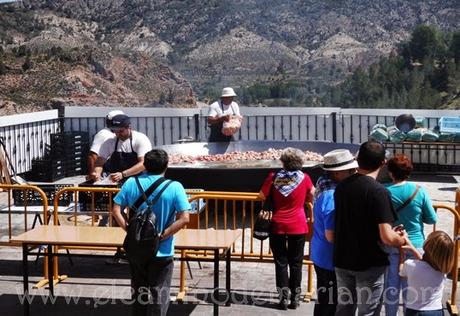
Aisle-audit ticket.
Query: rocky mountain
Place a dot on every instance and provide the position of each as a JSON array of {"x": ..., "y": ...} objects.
[{"x": 150, "y": 52}]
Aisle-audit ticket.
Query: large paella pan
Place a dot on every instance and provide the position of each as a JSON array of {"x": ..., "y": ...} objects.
[{"x": 238, "y": 175}]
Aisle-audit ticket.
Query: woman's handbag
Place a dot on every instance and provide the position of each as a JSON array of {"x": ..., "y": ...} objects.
[{"x": 263, "y": 222}]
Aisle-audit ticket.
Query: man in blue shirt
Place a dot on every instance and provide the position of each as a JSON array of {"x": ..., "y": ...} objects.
[
  {"x": 338, "y": 165},
  {"x": 155, "y": 276}
]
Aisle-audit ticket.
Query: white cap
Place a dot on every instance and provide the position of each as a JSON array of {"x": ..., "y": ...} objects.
[
  {"x": 113, "y": 113},
  {"x": 228, "y": 92}
]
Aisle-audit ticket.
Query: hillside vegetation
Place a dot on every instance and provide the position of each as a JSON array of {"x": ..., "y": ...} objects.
[
  {"x": 425, "y": 73},
  {"x": 173, "y": 53}
]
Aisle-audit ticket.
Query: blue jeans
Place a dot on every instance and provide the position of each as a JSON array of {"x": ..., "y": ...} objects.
[
  {"x": 360, "y": 290},
  {"x": 394, "y": 284},
  {"x": 412, "y": 312}
]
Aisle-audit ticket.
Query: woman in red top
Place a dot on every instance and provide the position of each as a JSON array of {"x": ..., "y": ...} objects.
[{"x": 290, "y": 189}]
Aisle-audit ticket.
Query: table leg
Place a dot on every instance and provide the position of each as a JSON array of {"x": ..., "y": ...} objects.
[
  {"x": 215, "y": 296},
  {"x": 50, "y": 270},
  {"x": 181, "y": 294},
  {"x": 25, "y": 280},
  {"x": 228, "y": 299}
]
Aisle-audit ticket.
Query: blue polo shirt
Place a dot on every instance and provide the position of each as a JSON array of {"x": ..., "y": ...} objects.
[
  {"x": 172, "y": 200},
  {"x": 324, "y": 214}
]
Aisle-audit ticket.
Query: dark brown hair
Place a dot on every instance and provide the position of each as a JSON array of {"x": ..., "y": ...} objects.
[
  {"x": 156, "y": 161},
  {"x": 371, "y": 155},
  {"x": 400, "y": 167}
]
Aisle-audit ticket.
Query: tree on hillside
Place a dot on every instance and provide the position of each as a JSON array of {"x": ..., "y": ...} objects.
[
  {"x": 455, "y": 47},
  {"x": 425, "y": 43},
  {"x": 425, "y": 74}
]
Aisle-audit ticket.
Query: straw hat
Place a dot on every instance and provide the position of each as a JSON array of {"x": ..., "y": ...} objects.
[
  {"x": 339, "y": 159},
  {"x": 228, "y": 92}
]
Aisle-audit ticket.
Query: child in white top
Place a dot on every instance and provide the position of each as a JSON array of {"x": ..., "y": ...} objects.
[{"x": 425, "y": 274}]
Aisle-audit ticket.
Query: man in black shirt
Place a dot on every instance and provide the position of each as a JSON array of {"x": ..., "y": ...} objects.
[{"x": 364, "y": 215}]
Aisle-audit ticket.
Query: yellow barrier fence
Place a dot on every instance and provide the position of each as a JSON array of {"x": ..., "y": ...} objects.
[
  {"x": 25, "y": 193},
  {"x": 235, "y": 210},
  {"x": 213, "y": 209}
]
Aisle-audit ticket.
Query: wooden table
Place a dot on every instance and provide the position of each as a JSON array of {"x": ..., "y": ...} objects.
[{"x": 216, "y": 241}]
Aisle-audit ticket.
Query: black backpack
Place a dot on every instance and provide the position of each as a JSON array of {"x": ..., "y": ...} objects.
[{"x": 143, "y": 236}]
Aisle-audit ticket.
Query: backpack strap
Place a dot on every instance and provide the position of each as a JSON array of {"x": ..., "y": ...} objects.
[
  {"x": 407, "y": 202},
  {"x": 155, "y": 199},
  {"x": 144, "y": 195}
]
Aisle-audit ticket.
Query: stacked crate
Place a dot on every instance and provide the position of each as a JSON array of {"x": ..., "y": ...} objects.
[
  {"x": 65, "y": 156},
  {"x": 72, "y": 148},
  {"x": 47, "y": 170}
]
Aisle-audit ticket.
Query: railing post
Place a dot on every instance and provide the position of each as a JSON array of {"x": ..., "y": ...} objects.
[
  {"x": 334, "y": 126},
  {"x": 197, "y": 127}
]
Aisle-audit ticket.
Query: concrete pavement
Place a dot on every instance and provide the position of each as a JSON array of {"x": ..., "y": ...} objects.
[{"x": 94, "y": 288}]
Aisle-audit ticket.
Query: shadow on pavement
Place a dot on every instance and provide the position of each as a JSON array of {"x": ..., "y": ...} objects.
[
  {"x": 426, "y": 177},
  {"x": 453, "y": 189},
  {"x": 82, "y": 267},
  {"x": 260, "y": 299}
]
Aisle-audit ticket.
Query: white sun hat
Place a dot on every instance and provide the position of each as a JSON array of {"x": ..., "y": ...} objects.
[
  {"x": 338, "y": 160},
  {"x": 228, "y": 92}
]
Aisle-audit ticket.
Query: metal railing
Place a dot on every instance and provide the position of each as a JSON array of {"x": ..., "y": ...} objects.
[{"x": 25, "y": 135}]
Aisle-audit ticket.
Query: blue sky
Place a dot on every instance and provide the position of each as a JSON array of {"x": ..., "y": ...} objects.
[{"x": 2, "y": 1}]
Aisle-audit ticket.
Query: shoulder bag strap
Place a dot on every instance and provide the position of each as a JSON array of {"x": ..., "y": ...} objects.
[
  {"x": 145, "y": 194},
  {"x": 155, "y": 199},
  {"x": 407, "y": 202}
]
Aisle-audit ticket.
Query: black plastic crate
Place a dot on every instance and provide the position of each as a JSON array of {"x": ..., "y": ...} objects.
[
  {"x": 34, "y": 198},
  {"x": 48, "y": 176},
  {"x": 47, "y": 163},
  {"x": 70, "y": 137},
  {"x": 75, "y": 171},
  {"x": 47, "y": 170},
  {"x": 66, "y": 152},
  {"x": 68, "y": 141},
  {"x": 76, "y": 162}
]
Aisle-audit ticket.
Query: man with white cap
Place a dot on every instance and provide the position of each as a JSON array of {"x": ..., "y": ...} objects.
[
  {"x": 98, "y": 140},
  {"x": 222, "y": 111},
  {"x": 338, "y": 164},
  {"x": 122, "y": 155}
]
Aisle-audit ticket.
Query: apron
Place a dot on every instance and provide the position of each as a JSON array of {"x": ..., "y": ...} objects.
[
  {"x": 216, "y": 130},
  {"x": 120, "y": 161}
]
